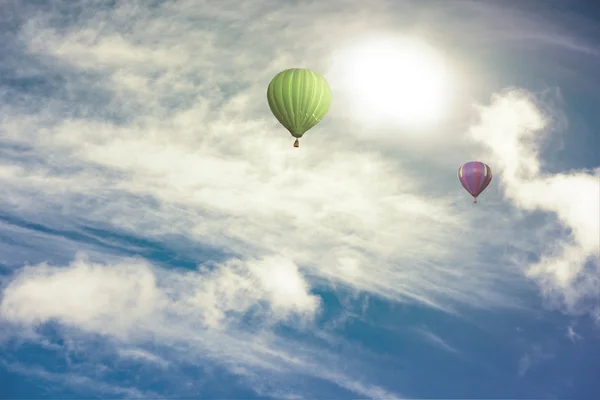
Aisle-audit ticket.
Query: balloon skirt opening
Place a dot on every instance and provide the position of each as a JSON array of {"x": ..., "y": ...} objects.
[{"x": 297, "y": 143}]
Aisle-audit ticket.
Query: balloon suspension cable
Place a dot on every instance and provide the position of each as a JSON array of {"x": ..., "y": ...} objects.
[{"x": 297, "y": 143}]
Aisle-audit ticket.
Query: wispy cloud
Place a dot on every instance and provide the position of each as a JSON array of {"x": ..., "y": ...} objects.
[
  {"x": 435, "y": 340},
  {"x": 573, "y": 335},
  {"x": 140, "y": 354},
  {"x": 531, "y": 359},
  {"x": 197, "y": 315},
  {"x": 80, "y": 383},
  {"x": 167, "y": 160}
]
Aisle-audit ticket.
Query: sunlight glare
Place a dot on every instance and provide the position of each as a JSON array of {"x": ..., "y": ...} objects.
[{"x": 393, "y": 80}]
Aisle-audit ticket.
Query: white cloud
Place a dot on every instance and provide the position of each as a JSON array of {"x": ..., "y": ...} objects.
[
  {"x": 83, "y": 295},
  {"x": 124, "y": 298},
  {"x": 568, "y": 270}
]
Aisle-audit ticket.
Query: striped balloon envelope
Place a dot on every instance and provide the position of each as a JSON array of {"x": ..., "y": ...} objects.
[{"x": 475, "y": 176}]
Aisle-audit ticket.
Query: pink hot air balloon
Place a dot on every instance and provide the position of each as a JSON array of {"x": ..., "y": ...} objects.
[{"x": 475, "y": 176}]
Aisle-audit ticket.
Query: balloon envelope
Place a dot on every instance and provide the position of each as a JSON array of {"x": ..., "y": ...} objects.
[
  {"x": 475, "y": 176},
  {"x": 299, "y": 98}
]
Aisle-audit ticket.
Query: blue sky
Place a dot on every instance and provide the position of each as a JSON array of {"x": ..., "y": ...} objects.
[{"x": 161, "y": 238}]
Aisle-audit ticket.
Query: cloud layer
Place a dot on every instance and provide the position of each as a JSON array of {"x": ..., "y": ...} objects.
[{"x": 151, "y": 122}]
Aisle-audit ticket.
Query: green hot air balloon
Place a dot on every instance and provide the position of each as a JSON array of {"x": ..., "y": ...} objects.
[{"x": 299, "y": 98}]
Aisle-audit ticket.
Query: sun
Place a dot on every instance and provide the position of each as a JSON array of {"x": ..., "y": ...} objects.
[{"x": 393, "y": 80}]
